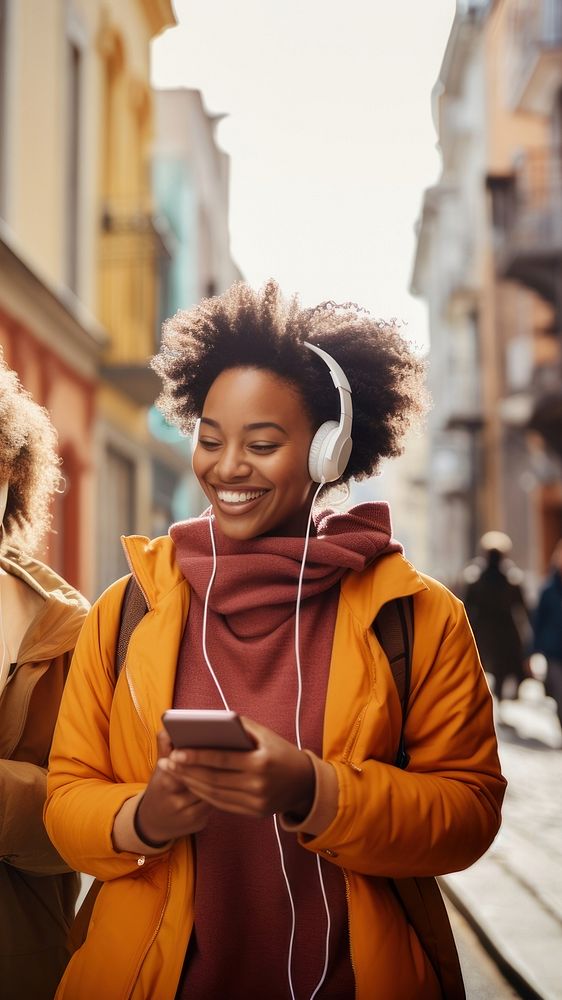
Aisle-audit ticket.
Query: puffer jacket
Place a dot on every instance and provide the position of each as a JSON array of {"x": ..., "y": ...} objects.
[
  {"x": 37, "y": 888},
  {"x": 437, "y": 816}
]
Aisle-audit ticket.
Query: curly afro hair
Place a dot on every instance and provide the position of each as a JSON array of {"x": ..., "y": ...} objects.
[
  {"x": 244, "y": 328},
  {"x": 28, "y": 462}
]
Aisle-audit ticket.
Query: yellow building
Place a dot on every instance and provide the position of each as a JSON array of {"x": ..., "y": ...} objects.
[{"x": 80, "y": 258}]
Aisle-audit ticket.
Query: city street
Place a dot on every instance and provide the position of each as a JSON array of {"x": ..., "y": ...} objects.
[
  {"x": 513, "y": 896},
  {"x": 482, "y": 978}
]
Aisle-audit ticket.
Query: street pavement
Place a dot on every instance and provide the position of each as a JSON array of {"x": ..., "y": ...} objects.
[
  {"x": 512, "y": 897},
  {"x": 482, "y": 978}
]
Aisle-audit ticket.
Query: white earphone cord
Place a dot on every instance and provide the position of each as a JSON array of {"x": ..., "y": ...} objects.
[{"x": 298, "y": 739}]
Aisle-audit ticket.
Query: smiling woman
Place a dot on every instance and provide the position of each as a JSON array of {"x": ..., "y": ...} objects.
[
  {"x": 252, "y": 462},
  {"x": 269, "y": 872}
]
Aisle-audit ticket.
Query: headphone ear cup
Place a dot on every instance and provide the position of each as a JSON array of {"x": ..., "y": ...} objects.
[
  {"x": 318, "y": 448},
  {"x": 195, "y": 438}
]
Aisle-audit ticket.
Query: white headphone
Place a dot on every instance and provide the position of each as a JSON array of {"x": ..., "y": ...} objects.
[
  {"x": 331, "y": 445},
  {"x": 195, "y": 434},
  {"x": 3, "y": 498}
]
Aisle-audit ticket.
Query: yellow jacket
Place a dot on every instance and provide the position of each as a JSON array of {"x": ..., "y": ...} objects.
[{"x": 438, "y": 816}]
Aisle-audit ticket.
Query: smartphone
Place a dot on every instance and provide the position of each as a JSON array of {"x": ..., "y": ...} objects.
[{"x": 208, "y": 728}]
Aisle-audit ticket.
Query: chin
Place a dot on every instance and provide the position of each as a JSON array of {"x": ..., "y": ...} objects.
[{"x": 237, "y": 532}]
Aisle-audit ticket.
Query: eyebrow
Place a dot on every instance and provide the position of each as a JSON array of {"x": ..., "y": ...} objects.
[{"x": 248, "y": 427}]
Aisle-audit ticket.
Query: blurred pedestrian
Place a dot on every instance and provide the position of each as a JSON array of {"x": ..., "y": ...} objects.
[
  {"x": 40, "y": 617},
  {"x": 269, "y": 872},
  {"x": 548, "y": 628},
  {"x": 498, "y": 612}
]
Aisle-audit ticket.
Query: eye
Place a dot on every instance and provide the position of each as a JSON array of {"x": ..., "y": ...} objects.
[
  {"x": 263, "y": 447},
  {"x": 209, "y": 444}
]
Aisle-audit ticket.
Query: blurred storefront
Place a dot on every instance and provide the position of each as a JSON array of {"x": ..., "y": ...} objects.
[{"x": 488, "y": 261}]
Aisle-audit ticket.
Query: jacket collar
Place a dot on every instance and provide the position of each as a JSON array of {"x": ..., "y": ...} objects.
[
  {"x": 389, "y": 577},
  {"x": 56, "y": 625},
  {"x": 153, "y": 564}
]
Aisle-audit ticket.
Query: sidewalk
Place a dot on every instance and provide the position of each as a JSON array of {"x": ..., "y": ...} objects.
[{"x": 512, "y": 897}]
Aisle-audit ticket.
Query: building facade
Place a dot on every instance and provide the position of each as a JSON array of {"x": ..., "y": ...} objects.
[
  {"x": 79, "y": 257},
  {"x": 494, "y": 455},
  {"x": 191, "y": 183}
]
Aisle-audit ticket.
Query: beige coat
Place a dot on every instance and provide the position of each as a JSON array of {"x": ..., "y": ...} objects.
[{"x": 37, "y": 889}]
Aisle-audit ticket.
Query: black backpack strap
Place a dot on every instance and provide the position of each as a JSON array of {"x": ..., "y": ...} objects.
[
  {"x": 133, "y": 609},
  {"x": 394, "y": 628}
]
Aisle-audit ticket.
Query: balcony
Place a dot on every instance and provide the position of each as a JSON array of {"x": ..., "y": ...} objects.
[
  {"x": 135, "y": 249},
  {"x": 546, "y": 416},
  {"x": 538, "y": 407},
  {"x": 460, "y": 408},
  {"x": 527, "y": 210},
  {"x": 536, "y": 72}
]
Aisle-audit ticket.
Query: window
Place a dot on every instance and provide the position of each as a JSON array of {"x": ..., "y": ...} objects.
[
  {"x": 72, "y": 207},
  {"x": 64, "y": 540},
  {"x": 117, "y": 515}
]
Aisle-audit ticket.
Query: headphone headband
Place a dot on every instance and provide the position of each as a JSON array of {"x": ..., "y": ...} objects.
[
  {"x": 339, "y": 378},
  {"x": 332, "y": 443}
]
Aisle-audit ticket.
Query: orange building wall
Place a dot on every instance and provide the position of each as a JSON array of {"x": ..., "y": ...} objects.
[{"x": 69, "y": 398}]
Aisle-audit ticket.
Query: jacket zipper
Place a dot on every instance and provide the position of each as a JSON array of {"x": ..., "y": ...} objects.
[
  {"x": 143, "y": 592},
  {"x": 352, "y": 741},
  {"x": 25, "y": 706},
  {"x": 154, "y": 934},
  {"x": 348, "y": 899},
  {"x": 137, "y": 707}
]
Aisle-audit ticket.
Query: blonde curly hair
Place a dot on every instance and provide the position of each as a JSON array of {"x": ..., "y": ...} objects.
[{"x": 28, "y": 462}]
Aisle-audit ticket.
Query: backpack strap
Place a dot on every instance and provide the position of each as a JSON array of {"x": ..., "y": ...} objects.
[
  {"x": 133, "y": 609},
  {"x": 394, "y": 628}
]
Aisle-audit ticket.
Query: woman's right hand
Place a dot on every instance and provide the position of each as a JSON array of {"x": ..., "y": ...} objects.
[{"x": 168, "y": 810}]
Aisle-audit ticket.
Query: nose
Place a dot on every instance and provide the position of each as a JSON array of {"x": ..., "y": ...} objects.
[{"x": 232, "y": 464}]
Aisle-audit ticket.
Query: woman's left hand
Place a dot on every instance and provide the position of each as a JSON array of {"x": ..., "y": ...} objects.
[{"x": 276, "y": 777}]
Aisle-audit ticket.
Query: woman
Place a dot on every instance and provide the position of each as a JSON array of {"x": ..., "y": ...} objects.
[
  {"x": 496, "y": 609},
  {"x": 40, "y": 617},
  {"x": 267, "y": 873}
]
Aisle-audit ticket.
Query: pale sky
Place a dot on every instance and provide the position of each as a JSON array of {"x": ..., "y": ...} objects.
[{"x": 330, "y": 135}]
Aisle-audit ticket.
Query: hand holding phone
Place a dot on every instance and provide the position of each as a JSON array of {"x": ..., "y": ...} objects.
[{"x": 212, "y": 729}]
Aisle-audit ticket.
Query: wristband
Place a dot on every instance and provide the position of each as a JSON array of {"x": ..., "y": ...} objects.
[{"x": 142, "y": 836}]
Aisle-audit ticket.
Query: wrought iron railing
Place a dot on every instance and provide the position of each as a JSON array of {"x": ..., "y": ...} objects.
[
  {"x": 536, "y": 26},
  {"x": 133, "y": 250},
  {"x": 532, "y": 213}
]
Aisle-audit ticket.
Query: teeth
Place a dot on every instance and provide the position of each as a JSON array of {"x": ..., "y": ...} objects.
[{"x": 229, "y": 496}]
